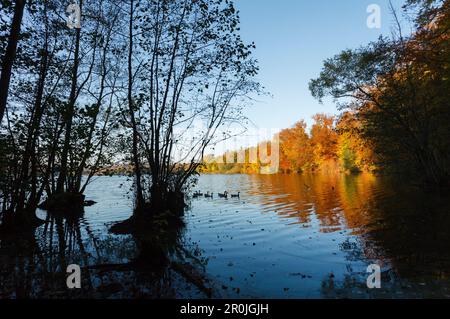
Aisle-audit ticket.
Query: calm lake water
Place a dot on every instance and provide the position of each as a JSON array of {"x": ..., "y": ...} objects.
[{"x": 309, "y": 236}]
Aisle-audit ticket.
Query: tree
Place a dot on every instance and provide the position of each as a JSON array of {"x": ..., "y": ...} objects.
[
  {"x": 354, "y": 151},
  {"x": 37, "y": 116},
  {"x": 296, "y": 149},
  {"x": 399, "y": 90},
  {"x": 191, "y": 74},
  {"x": 10, "y": 54},
  {"x": 323, "y": 139},
  {"x": 36, "y": 60},
  {"x": 188, "y": 75}
]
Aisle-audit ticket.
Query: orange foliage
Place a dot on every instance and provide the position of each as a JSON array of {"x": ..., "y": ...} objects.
[{"x": 329, "y": 146}]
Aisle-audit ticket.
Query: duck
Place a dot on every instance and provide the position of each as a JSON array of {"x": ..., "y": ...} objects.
[
  {"x": 197, "y": 195},
  {"x": 224, "y": 195},
  {"x": 209, "y": 195},
  {"x": 89, "y": 203},
  {"x": 238, "y": 195}
]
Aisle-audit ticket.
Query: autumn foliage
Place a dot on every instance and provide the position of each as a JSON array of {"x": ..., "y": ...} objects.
[
  {"x": 398, "y": 90},
  {"x": 332, "y": 144}
]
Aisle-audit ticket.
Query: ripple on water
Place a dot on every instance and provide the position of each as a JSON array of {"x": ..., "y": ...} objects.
[{"x": 291, "y": 236}]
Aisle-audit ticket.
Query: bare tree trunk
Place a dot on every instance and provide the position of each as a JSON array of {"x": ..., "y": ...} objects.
[
  {"x": 70, "y": 113},
  {"x": 10, "y": 55},
  {"x": 29, "y": 156},
  {"x": 160, "y": 158},
  {"x": 89, "y": 144},
  {"x": 33, "y": 134},
  {"x": 137, "y": 168}
]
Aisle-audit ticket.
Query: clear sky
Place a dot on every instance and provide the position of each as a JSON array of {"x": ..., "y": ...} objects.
[{"x": 292, "y": 39}]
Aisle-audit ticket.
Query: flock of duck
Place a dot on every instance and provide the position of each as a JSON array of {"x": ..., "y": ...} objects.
[{"x": 225, "y": 195}]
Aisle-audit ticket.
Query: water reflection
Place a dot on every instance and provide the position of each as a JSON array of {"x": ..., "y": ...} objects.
[
  {"x": 34, "y": 265},
  {"x": 333, "y": 227},
  {"x": 411, "y": 228},
  {"x": 19, "y": 260},
  {"x": 302, "y": 236},
  {"x": 338, "y": 202}
]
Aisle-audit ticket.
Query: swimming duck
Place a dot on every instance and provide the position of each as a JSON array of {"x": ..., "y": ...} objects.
[
  {"x": 208, "y": 195},
  {"x": 238, "y": 195},
  {"x": 197, "y": 194},
  {"x": 224, "y": 195}
]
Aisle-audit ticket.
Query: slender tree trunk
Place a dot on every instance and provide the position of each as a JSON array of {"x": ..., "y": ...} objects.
[
  {"x": 89, "y": 144},
  {"x": 33, "y": 134},
  {"x": 137, "y": 168},
  {"x": 10, "y": 55},
  {"x": 62, "y": 178},
  {"x": 29, "y": 155}
]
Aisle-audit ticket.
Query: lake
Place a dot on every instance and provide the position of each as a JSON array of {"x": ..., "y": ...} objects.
[{"x": 287, "y": 236}]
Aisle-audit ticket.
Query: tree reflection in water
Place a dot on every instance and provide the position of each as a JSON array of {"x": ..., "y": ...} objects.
[
  {"x": 33, "y": 265},
  {"x": 404, "y": 230}
]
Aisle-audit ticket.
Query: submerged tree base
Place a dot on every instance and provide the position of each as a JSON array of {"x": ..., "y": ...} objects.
[
  {"x": 145, "y": 223},
  {"x": 157, "y": 233},
  {"x": 161, "y": 214},
  {"x": 64, "y": 203}
]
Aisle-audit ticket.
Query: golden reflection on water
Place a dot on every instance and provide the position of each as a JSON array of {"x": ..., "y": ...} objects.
[
  {"x": 339, "y": 202},
  {"x": 396, "y": 224}
]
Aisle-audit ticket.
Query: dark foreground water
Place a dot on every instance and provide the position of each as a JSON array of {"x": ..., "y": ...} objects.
[{"x": 285, "y": 237}]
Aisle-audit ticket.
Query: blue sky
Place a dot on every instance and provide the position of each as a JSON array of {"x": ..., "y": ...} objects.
[{"x": 292, "y": 39}]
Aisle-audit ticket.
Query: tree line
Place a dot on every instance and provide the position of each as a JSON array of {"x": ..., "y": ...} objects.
[{"x": 329, "y": 145}]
